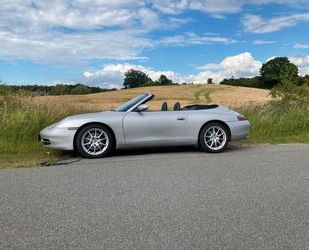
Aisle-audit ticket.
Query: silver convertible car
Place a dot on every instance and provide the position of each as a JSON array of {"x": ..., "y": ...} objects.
[{"x": 94, "y": 135}]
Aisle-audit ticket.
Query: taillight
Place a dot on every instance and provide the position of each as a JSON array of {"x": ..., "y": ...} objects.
[{"x": 241, "y": 118}]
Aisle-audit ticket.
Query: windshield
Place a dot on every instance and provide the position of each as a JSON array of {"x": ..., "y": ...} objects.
[{"x": 125, "y": 107}]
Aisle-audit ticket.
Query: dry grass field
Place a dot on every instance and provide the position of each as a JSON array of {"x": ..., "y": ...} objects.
[{"x": 229, "y": 96}]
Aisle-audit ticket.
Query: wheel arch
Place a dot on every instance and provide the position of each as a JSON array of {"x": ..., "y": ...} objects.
[
  {"x": 216, "y": 121},
  {"x": 94, "y": 123}
]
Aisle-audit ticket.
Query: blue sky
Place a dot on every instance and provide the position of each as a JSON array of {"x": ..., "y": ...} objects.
[{"x": 96, "y": 41}]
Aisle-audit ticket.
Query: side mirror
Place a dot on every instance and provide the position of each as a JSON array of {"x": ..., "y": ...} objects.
[{"x": 142, "y": 108}]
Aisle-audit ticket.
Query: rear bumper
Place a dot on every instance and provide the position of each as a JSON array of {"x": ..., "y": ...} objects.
[
  {"x": 239, "y": 129},
  {"x": 57, "y": 138}
]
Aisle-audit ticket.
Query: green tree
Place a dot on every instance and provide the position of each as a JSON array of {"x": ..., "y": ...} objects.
[
  {"x": 135, "y": 78},
  {"x": 278, "y": 70},
  {"x": 209, "y": 81},
  {"x": 303, "y": 80},
  {"x": 80, "y": 90},
  {"x": 60, "y": 89},
  {"x": 163, "y": 80}
]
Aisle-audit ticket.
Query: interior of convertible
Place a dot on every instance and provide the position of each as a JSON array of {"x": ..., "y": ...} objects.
[
  {"x": 177, "y": 107},
  {"x": 153, "y": 105}
]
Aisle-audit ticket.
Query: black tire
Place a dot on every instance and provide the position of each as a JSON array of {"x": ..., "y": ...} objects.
[
  {"x": 110, "y": 139},
  {"x": 206, "y": 129}
]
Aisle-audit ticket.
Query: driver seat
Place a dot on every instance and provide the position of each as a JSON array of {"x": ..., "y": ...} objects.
[
  {"x": 177, "y": 106},
  {"x": 164, "y": 106}
]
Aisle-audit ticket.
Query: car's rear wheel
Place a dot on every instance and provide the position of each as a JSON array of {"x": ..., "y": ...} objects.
[
  {"x": 214, "y": 138},
  {"x": 94, "y": 141}
]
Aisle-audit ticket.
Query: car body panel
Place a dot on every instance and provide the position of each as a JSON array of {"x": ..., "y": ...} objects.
[
  {"x": 147, "y": 128},
  {"x": 239, "y": 129},
  {"x": 141, "y": 127}
]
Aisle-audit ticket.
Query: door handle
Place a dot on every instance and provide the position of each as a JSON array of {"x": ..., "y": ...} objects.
[{"x": 181, "y": 118}]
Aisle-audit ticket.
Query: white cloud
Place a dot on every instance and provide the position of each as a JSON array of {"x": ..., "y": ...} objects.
[
  {"x": 263, "y": 42},
  {"x": 114, "y": 74},
  {"x": 65, "y": 30},
  {"x": 301, "y": 46},
  {"x": 242, "y": 65},
  {"x": 257, "y": 24},
  {"x": 295, "y": 3},
  {"x": 302, "y": 62},
  {"x": 191, "y": 38},
  {"x": 68, "y": 47},
  {"x": 216, "y": 8},
  {"x": 209, "y": 6}
]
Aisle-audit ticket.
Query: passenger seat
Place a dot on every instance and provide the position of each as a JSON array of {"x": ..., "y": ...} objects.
[{"x": 164, "y": 106}]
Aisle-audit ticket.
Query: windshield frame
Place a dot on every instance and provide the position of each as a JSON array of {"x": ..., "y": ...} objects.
[{"x": 134, "y": 102}]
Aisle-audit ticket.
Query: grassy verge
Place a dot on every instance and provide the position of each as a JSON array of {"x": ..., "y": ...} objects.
[
  {"x": 278, "y": 122},
  {"x": 21, "y": 119}
]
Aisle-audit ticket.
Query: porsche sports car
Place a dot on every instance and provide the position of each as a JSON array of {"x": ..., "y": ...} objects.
[{"x": 94, "y": 135}]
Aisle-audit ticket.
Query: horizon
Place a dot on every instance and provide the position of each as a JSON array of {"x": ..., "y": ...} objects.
[{"x": 94, "y": 43}]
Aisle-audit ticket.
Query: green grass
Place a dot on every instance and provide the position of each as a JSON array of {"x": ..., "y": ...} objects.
[
  {"x": 278, "y": 122},
  {"x": 20, "y": 122}
]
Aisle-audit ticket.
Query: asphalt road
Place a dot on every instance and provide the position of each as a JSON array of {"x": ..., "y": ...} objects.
[{"x": 245, "y": 198}]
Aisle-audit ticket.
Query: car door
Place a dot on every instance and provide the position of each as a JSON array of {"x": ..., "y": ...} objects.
[{"x": 164, "y": 127}]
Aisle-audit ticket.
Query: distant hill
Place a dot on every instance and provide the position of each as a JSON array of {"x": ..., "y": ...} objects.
[{"x": 230, "y": 96}]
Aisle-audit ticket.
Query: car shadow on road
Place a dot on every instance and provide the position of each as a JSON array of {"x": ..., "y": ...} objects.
[
  {"x": 171, "y": 149},
  {"x": 155, "y": 150},
  {"x": 164, "y": 150}
]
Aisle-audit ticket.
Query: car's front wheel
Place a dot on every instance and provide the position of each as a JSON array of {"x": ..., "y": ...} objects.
[
  {"x": 94, "y": 141},
  {"x": 214, "y": 138}
]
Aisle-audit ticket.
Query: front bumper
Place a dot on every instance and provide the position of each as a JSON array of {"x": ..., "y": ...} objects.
[
  {"x": 57, "y": 138},
  {"x": 239, "y": 129}
]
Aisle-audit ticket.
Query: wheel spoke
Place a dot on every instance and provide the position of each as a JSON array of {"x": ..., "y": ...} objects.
[{"x": 102, "y": 143}]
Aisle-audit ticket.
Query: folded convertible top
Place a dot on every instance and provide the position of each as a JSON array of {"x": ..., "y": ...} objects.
[{"x": 200, "y": 107}]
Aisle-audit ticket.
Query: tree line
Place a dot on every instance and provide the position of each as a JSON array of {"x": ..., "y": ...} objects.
[
  {"x": 59, "y": 89},
  {"x": 272, "y": 73}
]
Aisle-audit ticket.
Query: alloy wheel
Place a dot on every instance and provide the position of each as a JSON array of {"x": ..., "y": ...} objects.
[
  {"x": 215, "y": 138},
  {"x": 95, "y": 141}
]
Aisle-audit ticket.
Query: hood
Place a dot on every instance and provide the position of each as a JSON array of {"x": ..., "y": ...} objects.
[
  {"x": 79, "y": 120},
  {"x": 89, "y": 115}
]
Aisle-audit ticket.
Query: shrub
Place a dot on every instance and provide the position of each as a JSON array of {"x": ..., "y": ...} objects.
[
  {"x": 255, "y": 82},
  {"x": 80, "y": 90}
]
